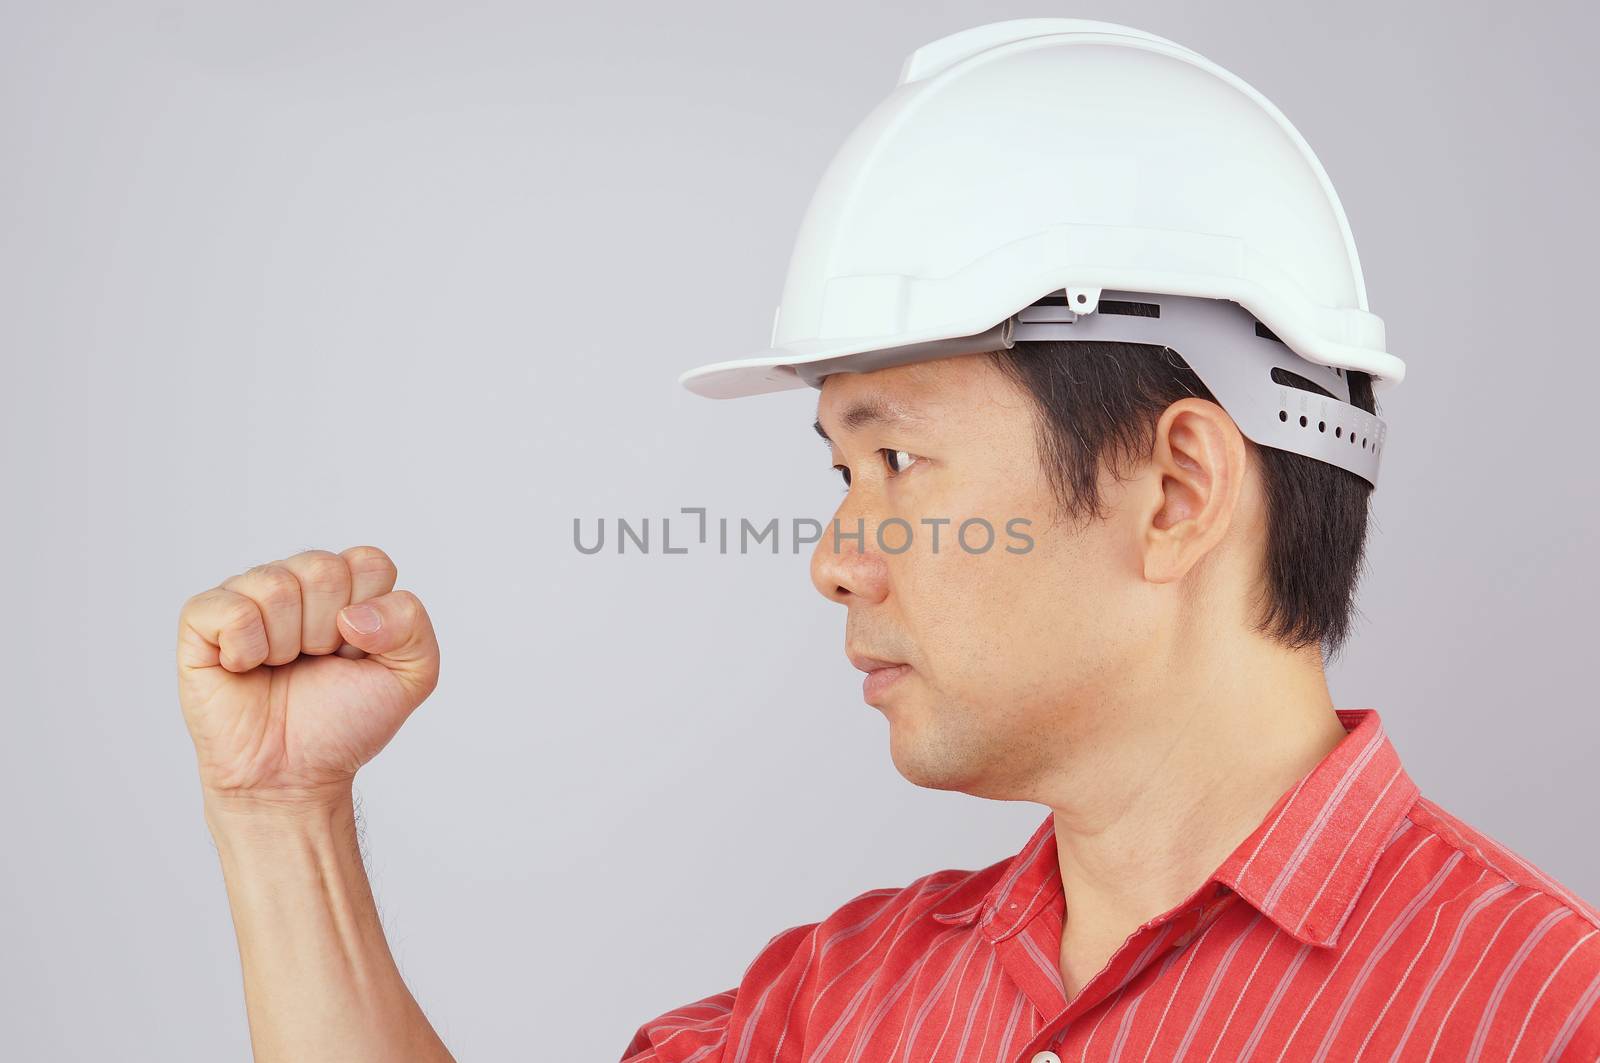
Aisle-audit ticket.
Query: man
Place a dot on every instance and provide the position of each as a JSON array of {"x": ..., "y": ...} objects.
[{"x": 1093, "y": 556}]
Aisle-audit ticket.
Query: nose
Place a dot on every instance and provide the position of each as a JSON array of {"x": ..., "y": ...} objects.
[{"x": 846, "y": 564}]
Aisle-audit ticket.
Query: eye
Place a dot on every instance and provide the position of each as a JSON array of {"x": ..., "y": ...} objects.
[
  {"x": 899, "y": 460},
  {"x": 843, "y": 470}
]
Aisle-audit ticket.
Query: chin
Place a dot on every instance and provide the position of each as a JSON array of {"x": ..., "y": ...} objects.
[{"x": 924, "y": 768}]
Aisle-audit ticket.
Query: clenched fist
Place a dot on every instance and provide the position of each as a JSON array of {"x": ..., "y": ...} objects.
[{"x": 295, "y": 673}]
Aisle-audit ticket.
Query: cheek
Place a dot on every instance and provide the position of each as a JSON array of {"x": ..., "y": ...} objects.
[
  {"x": 960, "y": 605},
  {"x": 998, "y": 623},
  {"x": 1003, "y": 627}
]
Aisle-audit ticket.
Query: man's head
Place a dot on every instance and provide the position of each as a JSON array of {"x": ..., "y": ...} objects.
[
  {"x": 1068, "y": 197},
  {"x": 1137, "y": 534}
]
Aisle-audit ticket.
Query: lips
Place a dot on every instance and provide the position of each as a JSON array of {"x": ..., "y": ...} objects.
[
  {"x": 868, "y": 663},
  {"x": 882, "y": 674}
]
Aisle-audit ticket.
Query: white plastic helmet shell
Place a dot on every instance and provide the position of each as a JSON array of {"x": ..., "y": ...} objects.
[{"x": 1023, "y": 157}]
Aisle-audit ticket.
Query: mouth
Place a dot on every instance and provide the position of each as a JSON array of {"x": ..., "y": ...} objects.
[{"x": 881, "y": 675}]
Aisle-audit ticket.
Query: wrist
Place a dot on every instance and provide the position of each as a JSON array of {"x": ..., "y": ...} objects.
[{"x": 278, "y": 812}]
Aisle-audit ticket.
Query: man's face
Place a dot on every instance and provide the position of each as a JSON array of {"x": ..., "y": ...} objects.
[{"x": 1007, "y": 647}]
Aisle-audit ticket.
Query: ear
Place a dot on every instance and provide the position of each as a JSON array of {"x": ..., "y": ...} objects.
[{"x": 1198, "y": 460}]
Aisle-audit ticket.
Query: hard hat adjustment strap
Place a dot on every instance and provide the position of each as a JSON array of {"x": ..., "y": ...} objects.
[
  {"x": 1233, "y": 354},
  {"x": 1235, "y": 357}
]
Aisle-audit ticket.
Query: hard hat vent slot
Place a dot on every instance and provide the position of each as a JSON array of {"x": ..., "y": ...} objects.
[
  {"x": 1130, "y": 309},
  {"x": 1262, "y": 330},
  {"x": 1125, "y": 307},
  {"x": 1295, "y": 380}
]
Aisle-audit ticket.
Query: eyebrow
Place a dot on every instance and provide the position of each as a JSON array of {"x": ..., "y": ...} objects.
[{"x": 863, "y": 412}]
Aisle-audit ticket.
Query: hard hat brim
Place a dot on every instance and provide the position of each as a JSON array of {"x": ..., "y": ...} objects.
[{"x": 771, "y": 370}]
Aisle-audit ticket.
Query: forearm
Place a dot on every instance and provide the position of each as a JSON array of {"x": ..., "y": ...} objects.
[{"x": 319, "y": 980}]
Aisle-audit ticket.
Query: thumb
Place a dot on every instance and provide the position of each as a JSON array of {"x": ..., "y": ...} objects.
[{"x": 394, "y": 630}]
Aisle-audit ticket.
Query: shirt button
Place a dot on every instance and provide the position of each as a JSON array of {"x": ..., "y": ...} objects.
[{"x": 1046, "y": 1057}]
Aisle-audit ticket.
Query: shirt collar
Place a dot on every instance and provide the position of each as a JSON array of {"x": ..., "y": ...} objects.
[{"x": 1303, "y": 867}]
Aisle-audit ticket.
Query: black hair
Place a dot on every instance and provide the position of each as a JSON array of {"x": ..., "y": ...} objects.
[{"x": 1098, "y": 404}]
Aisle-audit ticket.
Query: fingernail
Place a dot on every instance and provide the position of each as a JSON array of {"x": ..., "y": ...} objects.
[{"x": 363, "y": 618}]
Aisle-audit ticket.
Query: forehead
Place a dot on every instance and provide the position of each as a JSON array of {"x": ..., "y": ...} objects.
[{"x": 958, "y": 391}]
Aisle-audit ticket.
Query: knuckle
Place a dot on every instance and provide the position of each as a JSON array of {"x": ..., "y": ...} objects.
[
  {"x": 368, "y": 561},
  {"x": 324, "y": 571},
  {"x": 196, "y": 602},
  {"x": 239, "y": 613},
  {"x": 409, "y": 604},
  {"x": 279, "y": 587}
]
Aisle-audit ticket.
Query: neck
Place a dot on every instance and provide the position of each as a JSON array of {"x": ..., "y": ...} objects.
[{"x": 1177, "y": 772}]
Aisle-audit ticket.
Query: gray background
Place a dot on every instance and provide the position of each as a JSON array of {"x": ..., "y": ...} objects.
[{"x": 278, "y": 276}]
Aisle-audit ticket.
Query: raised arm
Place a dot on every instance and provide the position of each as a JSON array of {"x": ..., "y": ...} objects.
[{"x": 287, "y": 693}]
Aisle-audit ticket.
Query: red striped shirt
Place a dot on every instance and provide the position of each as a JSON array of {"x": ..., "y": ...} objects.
[{"x": 1358, "y": 921}]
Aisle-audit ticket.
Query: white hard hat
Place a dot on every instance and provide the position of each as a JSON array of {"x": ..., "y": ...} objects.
[{"x": 1069, "y": 179}]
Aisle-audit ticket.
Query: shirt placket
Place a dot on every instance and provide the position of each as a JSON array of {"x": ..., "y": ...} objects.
[{"x": 1040, "y": 978}]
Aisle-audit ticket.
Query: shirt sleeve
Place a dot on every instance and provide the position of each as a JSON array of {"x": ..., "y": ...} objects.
[
  {"x": 699, "y": 1032},
  {"x": 696, "y": 1031}
]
